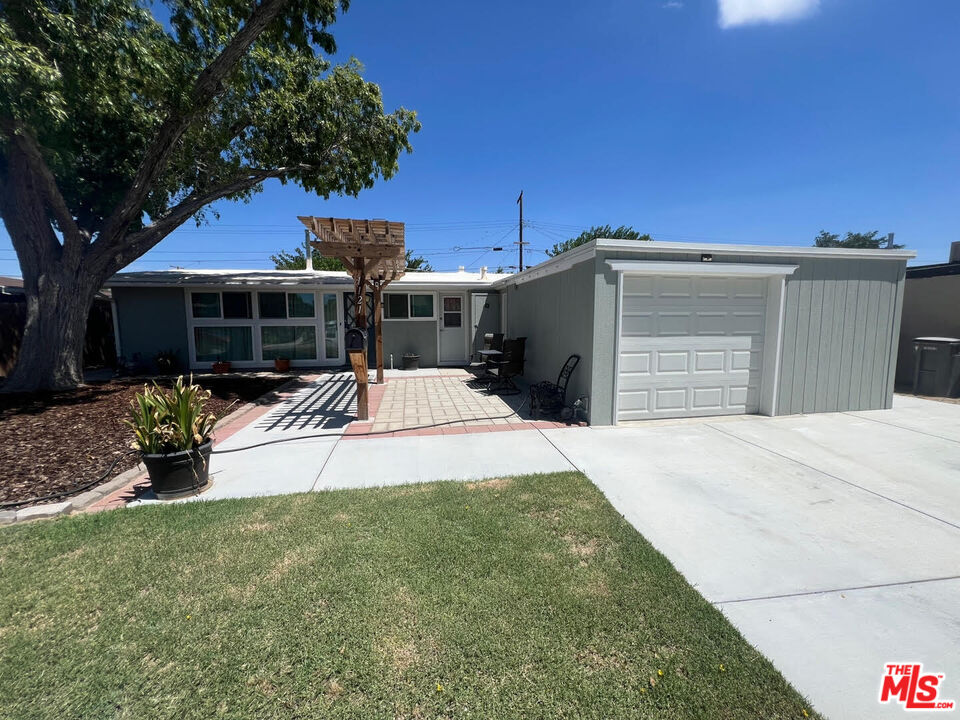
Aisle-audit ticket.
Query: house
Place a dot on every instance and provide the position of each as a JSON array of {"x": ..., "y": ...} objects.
[
  {"x": 663, "y": 329},
  {"x": 931, "y": 307}
]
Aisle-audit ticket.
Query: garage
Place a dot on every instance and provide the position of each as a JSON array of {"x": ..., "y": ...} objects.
[{"x": 692, "y": 345}]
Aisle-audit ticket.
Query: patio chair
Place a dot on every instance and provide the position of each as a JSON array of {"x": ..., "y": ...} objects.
[
  {"x": 549, "y": 397},
  {"x": 507, "y": 367},
  {"x": 480, "y": 366}
]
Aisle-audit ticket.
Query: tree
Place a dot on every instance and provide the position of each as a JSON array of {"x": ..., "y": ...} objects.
[
  {"x": 598, "y": 231},
  {"x": 115, "y": 129},
  {"x": 868, "y": 240},
  {"x": 297, "y": 260}
]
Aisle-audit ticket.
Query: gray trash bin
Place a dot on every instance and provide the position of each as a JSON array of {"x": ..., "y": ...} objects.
[{"x": 936, "y": 369}]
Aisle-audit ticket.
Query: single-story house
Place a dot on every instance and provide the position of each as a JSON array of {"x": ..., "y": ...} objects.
[
  {"x": 931, "y": 307},
  {"x": 663, "y": 329}
]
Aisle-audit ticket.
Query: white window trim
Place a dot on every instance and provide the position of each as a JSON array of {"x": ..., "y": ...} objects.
[
  {"x": 409, "y": 293},
  {"x": 255, "y": 324}
]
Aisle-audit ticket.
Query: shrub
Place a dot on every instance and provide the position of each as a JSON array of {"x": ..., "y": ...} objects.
[{"x": 170, "y": 421}]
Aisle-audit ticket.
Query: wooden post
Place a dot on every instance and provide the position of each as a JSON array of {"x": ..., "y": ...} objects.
[
  {"x": 359, "y": 360},
  {"x": 377, "y": 318}
]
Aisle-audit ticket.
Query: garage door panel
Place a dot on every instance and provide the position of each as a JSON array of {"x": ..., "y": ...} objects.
[
  {"x": 709, "y": 360},
  {"x": 691, "y": 346},
  {"x": 671, "y": 362},
  {"x": 669, "y": 399},
  {"x": 707, "y": 398},
  {"x": 638, "y": 285}
]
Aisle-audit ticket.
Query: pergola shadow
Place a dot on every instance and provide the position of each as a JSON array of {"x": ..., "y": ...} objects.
[{"x": 327, "y": 405}]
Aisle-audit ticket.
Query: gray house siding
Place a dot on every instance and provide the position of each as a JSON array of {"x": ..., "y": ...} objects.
[
  {"x": 840, "y": 328},
  {"x": 151, "y": 320},
  {"x": 409, "y": 336},
  {"x": 841, "y": 320},
  {"x": 555, "y": 314}
]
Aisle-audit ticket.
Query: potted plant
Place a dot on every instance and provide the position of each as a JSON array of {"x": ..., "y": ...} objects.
[
  {"x": 221, "y": 366},
  {"x": 281, "y": 364},
  {"x": 167, "y": 361},
  {"x": 173, "y": 434},
  {"x": 411, "y": 361}
]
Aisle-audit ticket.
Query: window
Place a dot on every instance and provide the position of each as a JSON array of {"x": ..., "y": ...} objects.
[
  {"x": 300, "y": 305},
  {"x": 205, "y": 304},
  {"x": 237, "y": 305},
  {"x": 421, "y": 306},
  {"x": 331, "y": 339},
  {"x": 223, "y": 343},
  {"x": 400, "y": 306},
  {"x": 295, "y": 342},
  {"x": 396, "y": 307},
  {"x": 272, "y": 304}
]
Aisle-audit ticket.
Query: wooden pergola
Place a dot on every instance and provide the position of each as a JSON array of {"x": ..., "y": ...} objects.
[{"x": 373, "y": 252}]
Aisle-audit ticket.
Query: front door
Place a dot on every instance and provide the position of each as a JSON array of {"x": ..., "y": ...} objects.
[{"x": 453, "y": 338}]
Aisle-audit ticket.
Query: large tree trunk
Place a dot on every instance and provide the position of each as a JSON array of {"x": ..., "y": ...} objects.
[{"x": 51, "y": 353}]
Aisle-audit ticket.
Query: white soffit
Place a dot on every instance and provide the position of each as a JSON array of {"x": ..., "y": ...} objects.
[{"x": 644, "y": 267}]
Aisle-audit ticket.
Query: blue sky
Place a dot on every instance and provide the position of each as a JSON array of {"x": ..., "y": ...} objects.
[{"x": 753, "y": 121}]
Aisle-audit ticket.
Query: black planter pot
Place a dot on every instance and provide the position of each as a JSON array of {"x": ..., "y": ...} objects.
[
  {"x": 411, "y": 362},
  {"x": 179, "y": 473}
]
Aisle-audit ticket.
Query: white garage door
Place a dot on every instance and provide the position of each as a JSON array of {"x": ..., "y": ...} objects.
[{"x": 690, "y": 346}]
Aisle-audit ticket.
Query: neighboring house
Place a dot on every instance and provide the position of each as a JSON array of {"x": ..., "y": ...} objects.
[
  {"x": 931, "y": 307},
  {"x": 663, "y": 329}
]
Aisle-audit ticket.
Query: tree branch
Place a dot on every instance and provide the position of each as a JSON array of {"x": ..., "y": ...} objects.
[
  {"x": 206, "y": 87},
  {"x": 23, "y": 142},
  {"x": 136, "y": 244}
]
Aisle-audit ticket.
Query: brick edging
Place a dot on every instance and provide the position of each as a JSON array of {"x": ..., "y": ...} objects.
[{"x": 106, "y": 494}]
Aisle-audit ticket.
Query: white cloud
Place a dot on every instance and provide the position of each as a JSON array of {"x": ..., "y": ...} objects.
[
  {"x": 746, "y": 12},
  {"x": 672, "y": 5}
]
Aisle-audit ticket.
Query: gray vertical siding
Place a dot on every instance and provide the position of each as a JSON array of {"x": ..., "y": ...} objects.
[
  {"x": 152, "y": 320},
  {"x": 841, "y": 318},
  {"x": 555, "y": 314}
]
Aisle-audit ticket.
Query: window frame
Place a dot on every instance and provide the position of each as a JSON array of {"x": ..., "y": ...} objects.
[
  {"x": 256, "y": 323},
  {"x": 410, "y": 317}
]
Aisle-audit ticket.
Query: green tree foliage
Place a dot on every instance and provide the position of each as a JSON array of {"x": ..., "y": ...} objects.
[
  {"x": 598, "y": 231},
  {"x": 867, "y": 241},
  {"x": 297, "y": 260},
  {"x": 116, "y": 128}
]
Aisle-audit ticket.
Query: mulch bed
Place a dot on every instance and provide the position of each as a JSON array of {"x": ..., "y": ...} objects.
[{"x": 55, "y": 442}]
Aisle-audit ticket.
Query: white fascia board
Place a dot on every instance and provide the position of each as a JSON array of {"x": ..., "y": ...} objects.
[
  {"x": 760, "y": 250},
  {"x": 556, "y": 264},
  {"x": 644, "y": 267}
]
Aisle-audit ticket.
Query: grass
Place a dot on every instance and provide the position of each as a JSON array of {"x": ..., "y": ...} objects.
[{"x": 514, "y": 598}]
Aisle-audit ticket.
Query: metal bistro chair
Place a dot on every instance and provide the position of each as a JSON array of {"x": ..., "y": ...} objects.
[
  {"x": 507, "y": 367},
  {"x": 481, "y": 366},
  {"x": 549, "y": 397}
]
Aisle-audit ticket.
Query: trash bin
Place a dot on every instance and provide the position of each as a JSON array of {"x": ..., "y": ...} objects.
[{"x": 936, "y": 369}]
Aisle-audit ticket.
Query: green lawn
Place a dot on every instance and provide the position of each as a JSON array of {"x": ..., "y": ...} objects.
[{"x": 522, "y": 598}]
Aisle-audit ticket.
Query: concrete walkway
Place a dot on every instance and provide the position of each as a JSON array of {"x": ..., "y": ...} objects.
[{"x": 831, "y": 541}]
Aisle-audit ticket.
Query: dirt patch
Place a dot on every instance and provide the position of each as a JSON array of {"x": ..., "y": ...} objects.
[
  {"x": 492, "y": 484},
  {"x": 580, "y": 546},
  {"x": 56, "y": 442},
  {"x": 593, "y": 661}
]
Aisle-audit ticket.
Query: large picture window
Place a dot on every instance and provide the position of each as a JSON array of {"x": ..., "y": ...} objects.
[
  {"x": 403, "y": 306},
  {"x": 223, "y": 343},
  {"x": 294, "y": 342}
]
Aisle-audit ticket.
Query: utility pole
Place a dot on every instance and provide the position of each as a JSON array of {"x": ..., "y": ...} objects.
[{"x": 520, "y": 242}]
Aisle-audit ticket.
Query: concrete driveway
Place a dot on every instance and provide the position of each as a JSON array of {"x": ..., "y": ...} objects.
[{"x": 831, "y": 541}]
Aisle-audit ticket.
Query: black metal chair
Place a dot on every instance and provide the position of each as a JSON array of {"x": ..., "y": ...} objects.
[
  {"x": 481, "y": 367},
  {"x": 549, "y": 397},
  {"x": 507, "y": 367}
]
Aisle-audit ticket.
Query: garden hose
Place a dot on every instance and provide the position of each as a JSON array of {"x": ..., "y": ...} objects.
[{"x": 103, "y": 476}]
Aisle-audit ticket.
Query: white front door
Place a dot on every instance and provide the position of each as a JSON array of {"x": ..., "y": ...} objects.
[
  {"x": 690, "y": 346},
  {"x": 453, "y": 330}
]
